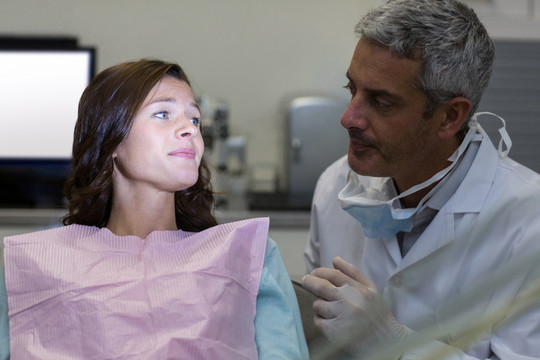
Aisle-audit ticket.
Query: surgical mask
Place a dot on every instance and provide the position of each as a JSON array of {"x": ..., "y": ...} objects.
[{"x": 378, "y": 215}]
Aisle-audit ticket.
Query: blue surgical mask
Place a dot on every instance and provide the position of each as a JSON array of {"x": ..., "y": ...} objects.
[{"x": 382, "y": 217}]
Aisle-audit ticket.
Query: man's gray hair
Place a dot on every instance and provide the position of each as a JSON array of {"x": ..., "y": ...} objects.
[{"x": 446, "y": 36}]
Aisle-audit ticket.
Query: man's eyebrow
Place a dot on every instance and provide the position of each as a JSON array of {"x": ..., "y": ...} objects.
[
  {"x": 384, "y": 93},
  {"x": 376, "y": 92}
]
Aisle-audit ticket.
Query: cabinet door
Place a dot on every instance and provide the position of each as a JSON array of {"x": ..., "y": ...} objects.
[
  {"x": 514, "y": 94},
  {"x": 316, "y": 139}
]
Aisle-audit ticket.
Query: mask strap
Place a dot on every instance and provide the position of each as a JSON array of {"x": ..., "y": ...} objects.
[
  {"x": 505, "y": 138},
  {"x": 470, "y": 136}
]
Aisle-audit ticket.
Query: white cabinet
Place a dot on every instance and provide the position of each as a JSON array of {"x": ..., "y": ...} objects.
[
  {"x": 507, "y": 19},
  {"x": 512, "y": 8},
  {"x": 506, "y": 8}
]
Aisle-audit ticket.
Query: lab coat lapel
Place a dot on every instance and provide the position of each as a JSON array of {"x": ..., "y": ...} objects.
[
  {"x": 439, "y": 233},
  {"x": 380, "y": 259},
  {"x": 392, "y": 246}
]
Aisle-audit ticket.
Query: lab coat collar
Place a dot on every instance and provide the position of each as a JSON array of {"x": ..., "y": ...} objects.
[
  {"x": 469, "y": 198},
  {"x": 472, "y": 193}
]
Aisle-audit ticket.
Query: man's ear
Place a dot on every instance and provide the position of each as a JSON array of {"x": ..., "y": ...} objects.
[{"x": 455, "y": 113}]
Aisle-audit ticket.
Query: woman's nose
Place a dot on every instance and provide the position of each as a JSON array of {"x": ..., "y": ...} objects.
[{"x": 186, "y": 128}]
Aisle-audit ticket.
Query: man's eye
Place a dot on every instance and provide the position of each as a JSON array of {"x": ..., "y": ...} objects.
[
  {"x": 350, "y": 88},
  {"x": 381, "y": 104}
]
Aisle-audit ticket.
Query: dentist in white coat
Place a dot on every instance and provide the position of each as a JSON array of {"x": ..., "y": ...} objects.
[{"x": 425, "y": 215}]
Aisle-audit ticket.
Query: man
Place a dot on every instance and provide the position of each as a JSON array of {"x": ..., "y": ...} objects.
[{"x": 431, "y": 209}]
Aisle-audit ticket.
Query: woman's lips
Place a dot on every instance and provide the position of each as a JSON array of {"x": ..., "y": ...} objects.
[{"x": 186, "y": 153}]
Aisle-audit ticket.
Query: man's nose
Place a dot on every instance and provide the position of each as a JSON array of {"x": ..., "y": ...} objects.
[{"x": 355, "y": 116}]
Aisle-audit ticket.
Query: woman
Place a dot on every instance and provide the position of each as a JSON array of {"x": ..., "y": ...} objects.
[{"x": 142, "y": 270}]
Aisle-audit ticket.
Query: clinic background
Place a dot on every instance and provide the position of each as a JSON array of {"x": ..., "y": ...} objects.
[{"x": 252, "y": 55}]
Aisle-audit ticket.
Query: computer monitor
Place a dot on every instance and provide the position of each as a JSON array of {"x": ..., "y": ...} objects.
[{"x": 39, "y": 93}]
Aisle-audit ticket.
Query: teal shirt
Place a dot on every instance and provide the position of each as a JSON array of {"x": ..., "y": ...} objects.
[{"x": 278, "y": 327}]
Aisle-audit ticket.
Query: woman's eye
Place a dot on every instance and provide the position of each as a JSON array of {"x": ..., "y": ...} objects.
[
  {"x": 162, "y": 115},
  {"x": 196, "y": 121}
]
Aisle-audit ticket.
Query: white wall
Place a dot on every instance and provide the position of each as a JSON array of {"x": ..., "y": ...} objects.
[{"x": 252, "y": 54}]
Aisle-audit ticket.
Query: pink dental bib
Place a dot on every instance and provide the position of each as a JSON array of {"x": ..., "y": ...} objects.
[{"x": 81, "y": 292}]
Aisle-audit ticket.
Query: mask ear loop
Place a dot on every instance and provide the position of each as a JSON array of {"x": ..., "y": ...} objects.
[{"x": 505, "y": 138}]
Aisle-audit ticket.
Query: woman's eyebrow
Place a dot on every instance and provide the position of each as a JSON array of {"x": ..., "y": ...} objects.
[{"x": 164, "y": 99}]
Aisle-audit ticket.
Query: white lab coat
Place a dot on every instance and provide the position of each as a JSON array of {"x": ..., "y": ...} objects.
[{"x": 491, "y": 220}]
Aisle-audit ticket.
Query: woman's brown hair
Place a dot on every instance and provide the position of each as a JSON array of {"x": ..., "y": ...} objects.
[{"x": 106, "y": 111}]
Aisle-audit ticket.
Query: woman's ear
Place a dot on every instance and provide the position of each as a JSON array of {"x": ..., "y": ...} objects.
[{"x": 455, "y": 113}]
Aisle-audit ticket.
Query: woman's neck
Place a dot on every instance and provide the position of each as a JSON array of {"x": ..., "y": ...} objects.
[{"x": 140, "y": 218}]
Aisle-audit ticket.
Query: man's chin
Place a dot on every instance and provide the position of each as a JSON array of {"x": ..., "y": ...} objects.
[{"x": 363, "y": 165}]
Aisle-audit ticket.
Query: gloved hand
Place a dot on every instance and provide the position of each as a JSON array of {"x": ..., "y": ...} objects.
[{"x": 351, "y": 307}]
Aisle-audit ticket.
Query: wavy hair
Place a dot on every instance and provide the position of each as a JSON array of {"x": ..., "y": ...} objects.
[
  {"x": 106, "y": 111},
  {"x": 446, "y": 36}
]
